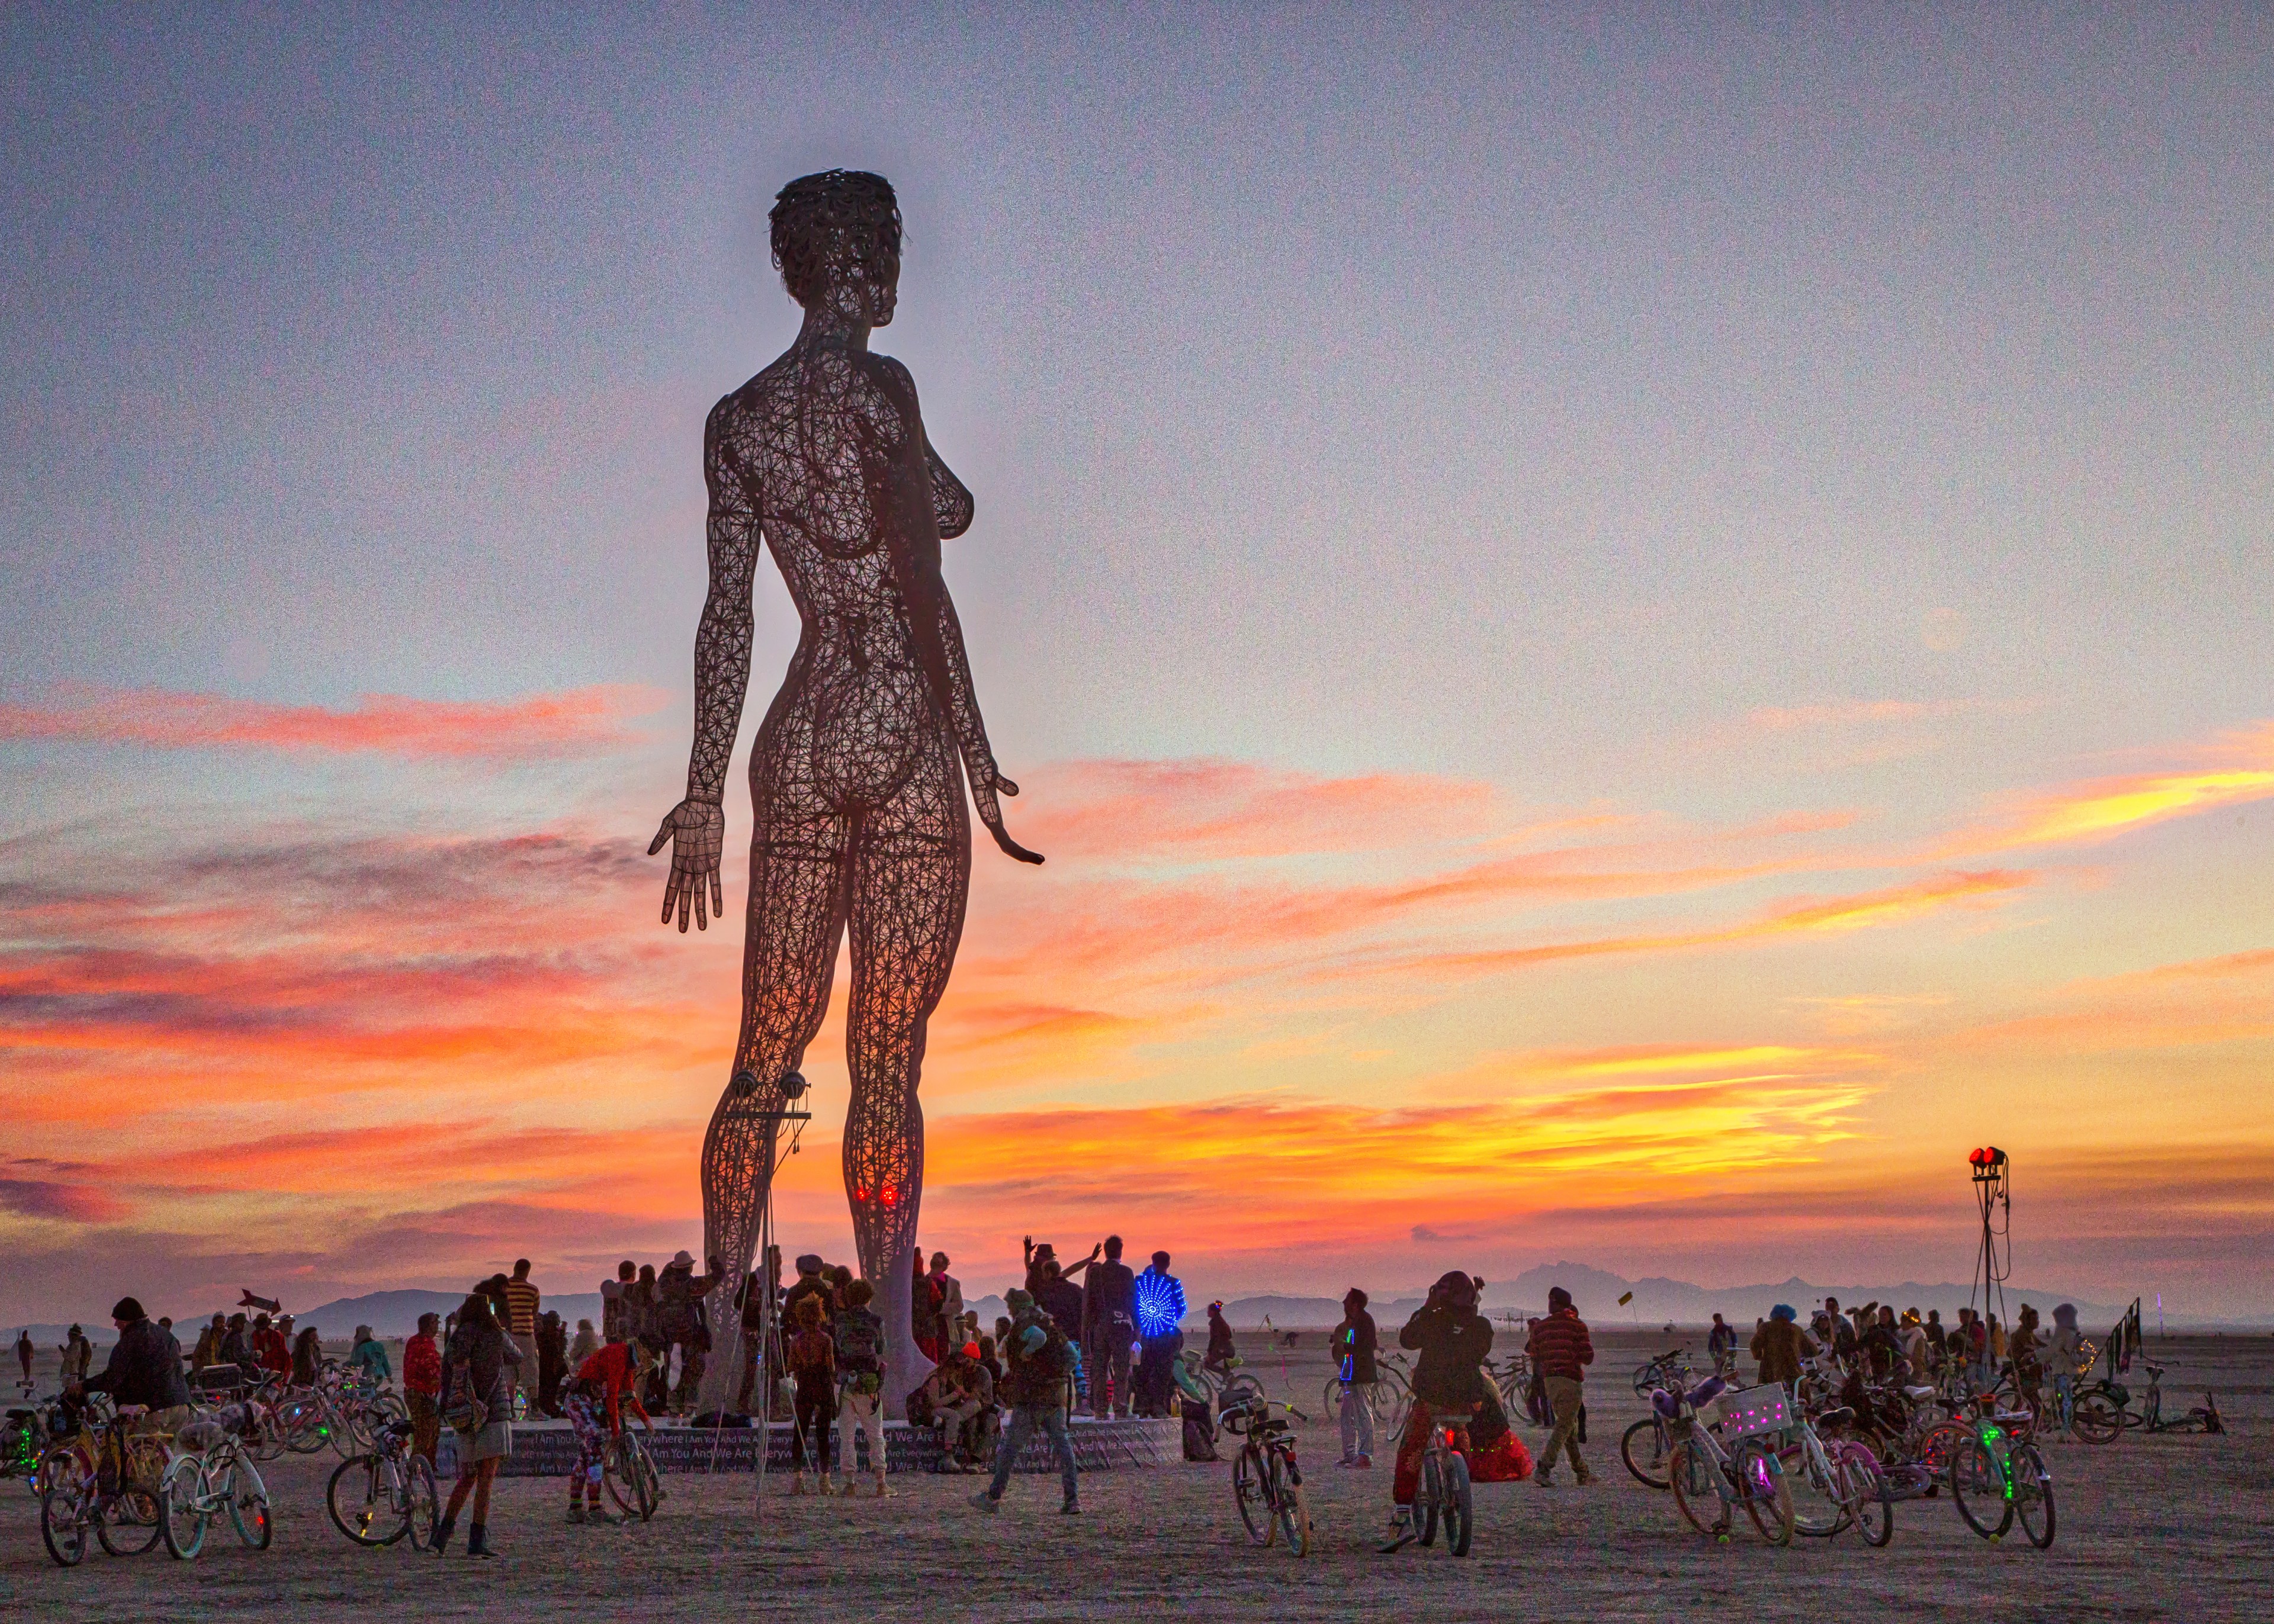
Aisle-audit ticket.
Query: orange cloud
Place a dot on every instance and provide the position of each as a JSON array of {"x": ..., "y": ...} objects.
[
  {"x": 2240, "y": 768},
  {"x": 539, "y": 724}
]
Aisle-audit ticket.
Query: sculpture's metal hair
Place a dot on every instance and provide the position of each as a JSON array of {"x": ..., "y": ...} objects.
[{"x": 857, "y": 775}]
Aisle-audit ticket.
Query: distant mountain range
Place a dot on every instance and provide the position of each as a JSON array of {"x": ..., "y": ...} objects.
[{"x": 1657, "y": 1300}]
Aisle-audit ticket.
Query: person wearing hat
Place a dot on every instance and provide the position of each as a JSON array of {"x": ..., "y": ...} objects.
[
  {"x": 1354, "y": 1342},
  {"x": 1041, "y": 1360},
  {"x": 1453, "y": 1340},
  {"x": 1779, "y": 1344},
  {"x": 1560, "y": 1351},
  {"x": 270, "y": 1351},
  {"x": 812, "y": 1281},
  {"x": 679, "y": 1293},
  {"x": 144, "y": 1368}
]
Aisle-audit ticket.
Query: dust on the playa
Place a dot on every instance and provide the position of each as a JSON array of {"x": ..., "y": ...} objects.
[{"x": 2151, "y": 1528}]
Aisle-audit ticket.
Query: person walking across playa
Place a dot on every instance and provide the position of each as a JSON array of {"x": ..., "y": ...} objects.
[
  {"x": 1041, "y": 1368},
  {"x": 1560, "y": 1351}
]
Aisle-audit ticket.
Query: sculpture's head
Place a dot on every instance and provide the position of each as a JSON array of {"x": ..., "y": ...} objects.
[{"x": 836, "y": 242}]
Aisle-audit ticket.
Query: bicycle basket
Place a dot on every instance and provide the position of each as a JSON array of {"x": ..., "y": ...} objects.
[{"x": 1755, "y": 1410}]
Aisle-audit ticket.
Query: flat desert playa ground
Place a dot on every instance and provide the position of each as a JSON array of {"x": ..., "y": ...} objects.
[{"x": 2151, "y": 1528}]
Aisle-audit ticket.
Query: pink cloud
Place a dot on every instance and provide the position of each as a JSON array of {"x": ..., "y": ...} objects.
[{"x": 539, "y": 724}]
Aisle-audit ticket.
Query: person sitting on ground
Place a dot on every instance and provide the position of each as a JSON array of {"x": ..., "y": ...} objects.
[
  {"x": 1222, "y": 1350},
  {"x": 1448, "y": 1381},
  {"x": 949, "y": 1399},
  {"x": 367, "y": 1354},
  {"x": 810, "y": 1356},
  {"x": 307, "y": 1357},
  {"x": 1560, "y": 1351},
  {"x": 1779, "y": 1344},
  {"x": 860, "y": 1348},
  {"x": 1041, "y": 1362},
  {"x": 144, "y": 1368},
  {"x": 605, "y": 1381}
]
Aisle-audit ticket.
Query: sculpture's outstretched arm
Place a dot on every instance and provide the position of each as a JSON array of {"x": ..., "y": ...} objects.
[
  {"x": 696, "y": 827},
  {"x": 912, "y": 546}
]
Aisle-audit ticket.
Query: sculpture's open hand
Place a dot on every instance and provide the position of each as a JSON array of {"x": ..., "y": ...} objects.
[
  {"x": 697, "y": 832},
  {"x": 985, "y": 786}
]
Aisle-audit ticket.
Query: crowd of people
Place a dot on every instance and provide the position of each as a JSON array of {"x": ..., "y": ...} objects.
[{"x": 1090, "y": 1333}]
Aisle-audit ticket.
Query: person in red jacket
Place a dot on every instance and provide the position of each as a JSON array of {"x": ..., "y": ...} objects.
[
  {"x": 270, "y": 1351},
  {"x": 594, "y": 1399},
  {"x": 1561, "y": 1352},
  {"x": 422, "y": 1386}
]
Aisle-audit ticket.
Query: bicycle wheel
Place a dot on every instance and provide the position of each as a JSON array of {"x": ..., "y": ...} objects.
[
  {"x": 423, "y": 1503},
  {"x": 1942, "y": 1444},
  {"x": 1767, "y": 1493},
  {"x": 1295, "y": 1517},
  {"x": 1247, "y": 1492},
  {"x": 297, "y": 1426},
  {"x": 360, "y": 1503},
  {"x": 248, "y": 1506},
  {"x": 1695, "y": 1482},
  {"x": 630, "y": 1472},
  {"x": 60, "y": 1527},
  {"x": 2097, "y": 1419},
  {"x": 127, "y": 1524},
  {"x": 2033, "y": 1495},
  {"x": 1645, "y": 1449},
  {"x": 1979, "y": 1488},
  {"x": 1429, "y": 1496},
  {"x": 1820, "y": 1500},
  {"x": 181, "y": 1517},
  {"x": 1460, "y": 1508},
  {"x": 1870, "y": 1506},
  {"x": 1330, "y": 1397}
]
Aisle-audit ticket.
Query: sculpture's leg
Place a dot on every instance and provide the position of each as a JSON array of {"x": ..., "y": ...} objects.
[
  {"x": 790, "y": 953},
  {"x": 911, "y": 871}
]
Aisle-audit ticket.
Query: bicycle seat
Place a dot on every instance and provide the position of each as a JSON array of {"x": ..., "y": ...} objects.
[
  {"x": 1841, "y": 1417},
  {"x": 2156, "y": 1371},
  {"x": 1917, "y": 1393}
]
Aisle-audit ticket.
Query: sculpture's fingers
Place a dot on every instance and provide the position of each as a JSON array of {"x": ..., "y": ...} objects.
[
  {"x": 662, "y": 834},
  {"x": 684, "y": 900},
  {"x": 718, "y": 894},
  {"x": 701, "y": 910},
  {"x": 1005, "y": 786},
  {"x": 670, "y": 893}
]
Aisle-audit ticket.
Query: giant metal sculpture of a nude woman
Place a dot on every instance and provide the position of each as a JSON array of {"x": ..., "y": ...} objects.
[{"x": 858, "y": 772}]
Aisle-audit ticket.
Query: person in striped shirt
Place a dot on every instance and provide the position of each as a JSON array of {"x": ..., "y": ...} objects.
[{"x": 521, "y": 1300}]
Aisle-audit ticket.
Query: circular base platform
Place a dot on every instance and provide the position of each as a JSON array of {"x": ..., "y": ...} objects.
[{"x": 548, "y": 1448}]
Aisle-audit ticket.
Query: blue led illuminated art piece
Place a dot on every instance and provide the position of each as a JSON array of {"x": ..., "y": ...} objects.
[{"x": 1160, "y": 1303}]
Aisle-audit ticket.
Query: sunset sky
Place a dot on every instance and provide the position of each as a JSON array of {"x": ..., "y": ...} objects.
[{"x": 1625, "y": 637}]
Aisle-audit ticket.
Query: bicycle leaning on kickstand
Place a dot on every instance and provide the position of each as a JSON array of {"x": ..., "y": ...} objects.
[{"x": 1267, "y": 1480}]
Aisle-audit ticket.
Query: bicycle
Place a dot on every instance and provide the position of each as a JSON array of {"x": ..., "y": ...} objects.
[
  {"x": 24, "y": 1439},
  {"x": 103, "y": 1479},
  {"x": 1701, "y": 1472},
  {"x": 1845, "y": 1487},
  {"x": 1267, "y": 1480},
  {"x": 1444, "y": 1491},
  {"x": 1670, "y": 1370},
  {"x": 2203, "y": 1418},
  {"x": 1647, "y": 1447},
  {"x": 631, "y": 1474},
  {"x": 216, "y": 1477},
  {"x": 1994, "y": 1471},
  {"x": 387, "y": 1494}
]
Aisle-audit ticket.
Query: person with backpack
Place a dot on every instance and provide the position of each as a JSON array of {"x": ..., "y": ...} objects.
[
  {"x": 860, "y": 1354},
  {"x": 810, "y": 1355},
  {"x": 477, "y": 1382},
  {"x": 1042, "y": 1365}
]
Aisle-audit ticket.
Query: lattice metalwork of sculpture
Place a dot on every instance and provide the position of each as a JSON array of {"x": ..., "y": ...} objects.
[{"x": 857, "y": 776}]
